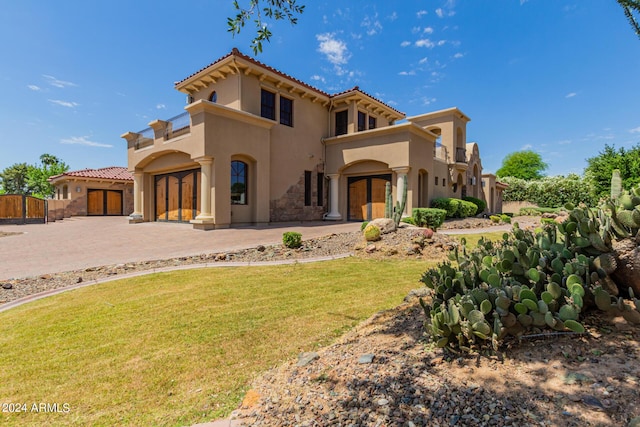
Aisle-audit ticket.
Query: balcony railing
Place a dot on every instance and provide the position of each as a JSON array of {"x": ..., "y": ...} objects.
[
  {"x": 461, "y": 155},
  {"x": 145, "y": 138},
  {"x": 178, "y": 125}
]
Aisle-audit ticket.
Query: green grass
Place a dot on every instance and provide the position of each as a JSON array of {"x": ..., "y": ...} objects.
[{"x": 182, "y": 347}]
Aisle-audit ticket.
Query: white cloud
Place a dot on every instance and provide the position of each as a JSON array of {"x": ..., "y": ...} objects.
[
  {"x": 421, "y": 13},
  {"x": 58, "y": 83},
  {"x": 34, "y": 87},
  {"x": 570, "y": 95},
  {"x": 423, "y": 60},
  {"x": 161, "y": 107},
  {"x": 458, "y": 55},
  {"x": 82, "y": 140},
  {"x": 440, "y": 12},
  {"x": 372, "y": 25},
  {"x": 526, "y": 147},
  {"x": 407, "y": 73},
  {"x": 441, "y": 42},
  {"x": 416, "y": 30},
  {"x": 428, "y": 30},
  {"x": 405, "y": 43},
  {"x": 392, "y": 17},
  {"x": 335, "y": 50},
  {"x": 427, "y": 101},
  {"x": 317, "y": 78},
  {"x": 564, "y": 142},
  {"x": 523, "y": 2},
  {"x": 67, "y": 104},
  {"x": 425, "y": 43},
  {"x": 635, "y": 130}
]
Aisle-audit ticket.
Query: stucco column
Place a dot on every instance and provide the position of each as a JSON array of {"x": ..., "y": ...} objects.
[
  {"x": 204, "y": 221},
  {"x": 334, "y": 214},
  {"x": 402, "y": 178},
  {"x": 138, "y": 186}
]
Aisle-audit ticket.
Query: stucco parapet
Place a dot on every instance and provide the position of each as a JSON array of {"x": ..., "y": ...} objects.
[
  {"x": 207, "y": 107},
  {"x": 441, "y": 113},
  {"x": 401, "y": 170},
  {"x": 408, "y": 127}
]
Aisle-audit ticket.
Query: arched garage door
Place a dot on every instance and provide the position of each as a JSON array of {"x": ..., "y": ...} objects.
[{"x": 366, "y": 197}]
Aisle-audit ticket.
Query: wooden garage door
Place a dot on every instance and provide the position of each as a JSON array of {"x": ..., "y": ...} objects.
[
  {"x": 104, "y": 202},
  {"x": 177, "y": 196},
  {"x": 367, "y": 197}
]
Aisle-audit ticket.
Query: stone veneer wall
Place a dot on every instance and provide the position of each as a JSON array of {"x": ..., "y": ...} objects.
[{"x": 290, "y": 207}]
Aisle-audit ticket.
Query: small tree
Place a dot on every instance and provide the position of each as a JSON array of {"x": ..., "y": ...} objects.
[
  {"x": 630, "y": 8},
  {"x": 524, "y": 164},
  {"x": 15, "y": 180},
  {"x": 21, "y": 178},
  {"x": 600, "y": 168}
]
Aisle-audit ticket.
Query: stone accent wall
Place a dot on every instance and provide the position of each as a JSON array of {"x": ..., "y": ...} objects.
[{"x": 290, "y": 207}]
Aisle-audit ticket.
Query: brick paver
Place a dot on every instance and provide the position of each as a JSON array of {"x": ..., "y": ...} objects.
[{"x": 81, "y": 242}]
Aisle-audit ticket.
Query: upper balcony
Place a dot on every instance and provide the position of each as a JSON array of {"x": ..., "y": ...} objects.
[
  {"x": 163, "y": 130},
  {"x": 461, "y": 155}
]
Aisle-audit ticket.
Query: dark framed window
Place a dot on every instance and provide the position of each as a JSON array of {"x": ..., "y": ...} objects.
[
  {"x": 444, "y": 182},
  {"x": 239, "y": 181},
  {"x": 320, "y": 188},
  {"x": 213, "y": 97},
  {"x": 362, "y": 120},
  {"x": 342, "y": 120},
  {"x": 268, "y": 104},
  {"x": 307, "y": 188},
  {"x": 286, "y": 111},
  {"x": 372, "y": 122},
  {"x": 436, "y": 180}
]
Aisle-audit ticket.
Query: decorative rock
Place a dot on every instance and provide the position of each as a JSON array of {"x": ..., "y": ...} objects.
[
  {"x": 382, "y": 402},
  {"x": 79, "y": 280},
  {"x": 260, "y": 248},
  {"x": 370, "y": 249},
  {"x": 366, "y": 358},
  {"x": 305, "y": 358},
  {"x": 593, "y": 402},
  {"x": 386, "y": 225},
  {"x": 7, "y": 286}
]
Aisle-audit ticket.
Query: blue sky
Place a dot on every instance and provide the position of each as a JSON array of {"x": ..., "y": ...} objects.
[{"x": 559, "y": 77}]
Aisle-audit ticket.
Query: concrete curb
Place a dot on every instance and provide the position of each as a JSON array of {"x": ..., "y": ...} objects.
[{"x": 34, "y": 297}]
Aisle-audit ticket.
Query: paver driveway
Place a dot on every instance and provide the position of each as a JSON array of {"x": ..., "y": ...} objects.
[{"x": 82, "y": 242}]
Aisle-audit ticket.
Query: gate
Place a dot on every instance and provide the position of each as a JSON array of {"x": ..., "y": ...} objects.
[{"x": 21, "y": 209}]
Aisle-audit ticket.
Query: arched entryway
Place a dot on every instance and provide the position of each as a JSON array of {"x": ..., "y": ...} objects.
[{"x": 176, "y": 196}]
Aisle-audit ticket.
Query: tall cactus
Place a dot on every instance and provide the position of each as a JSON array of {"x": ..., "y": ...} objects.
[
  {"x": 616, "y": 184},
  {"x": 401, "y": 203},
  {"x": 388, "y": 201}
]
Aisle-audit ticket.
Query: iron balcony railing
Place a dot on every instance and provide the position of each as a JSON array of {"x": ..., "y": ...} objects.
[{"x": 461, "y": 155}]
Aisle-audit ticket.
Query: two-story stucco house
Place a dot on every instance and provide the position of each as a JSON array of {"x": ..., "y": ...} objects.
[{"x": 258, "y": 146}]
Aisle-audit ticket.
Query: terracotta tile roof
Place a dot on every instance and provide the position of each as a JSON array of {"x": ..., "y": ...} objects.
[
  {"x": 111, "y": 172},
  {"x": 236, "y": 52}
]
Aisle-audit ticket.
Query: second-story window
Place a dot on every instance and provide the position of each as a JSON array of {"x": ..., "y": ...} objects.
[
  {"x": 362, "y": 120},
  {"x": 286, "y": 111},
  {"x": 372, "y": 122},
  {"x": 268, "y": 105},
  {"x": 341, "y": 122}
]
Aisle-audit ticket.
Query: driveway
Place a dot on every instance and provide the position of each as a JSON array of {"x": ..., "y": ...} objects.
[{"x": 81, "y": 242}]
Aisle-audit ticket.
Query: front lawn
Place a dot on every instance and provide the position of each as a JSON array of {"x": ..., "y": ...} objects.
[{"x": 180, "y": 348}]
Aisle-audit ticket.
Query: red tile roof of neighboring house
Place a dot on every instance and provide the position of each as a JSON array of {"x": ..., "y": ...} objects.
[{"x": 111, "y": 172}]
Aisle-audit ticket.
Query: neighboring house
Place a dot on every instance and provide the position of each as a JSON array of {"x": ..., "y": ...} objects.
[
  {"x": 258, "y": 146},
  {"x": 105, "y": 191}
]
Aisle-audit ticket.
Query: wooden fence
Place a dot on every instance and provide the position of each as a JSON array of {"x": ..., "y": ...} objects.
[{"x": 20, "y": 209}]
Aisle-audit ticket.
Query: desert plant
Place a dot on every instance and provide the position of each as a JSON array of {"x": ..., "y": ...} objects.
[
  {"x": 408, "y": 220},
  {"x": 505, "y": 218},
  {"x": 372, "y": 233},
  {"x": 495, "y": 218},
  {"x": 292, "y": 239},
  {"x": 363, "y": 225},
  {"x": 429, "y": 217}
]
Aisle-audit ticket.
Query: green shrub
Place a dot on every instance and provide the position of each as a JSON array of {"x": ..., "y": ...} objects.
[
  {"x": 505, "y": 218},
  {"x": 455, "y": 208},
  {"x": 495, "y": 218},
  {"x": 429, "y": 217},
  {"x": 481, "y": 204},
  {"x": 550, "y": 192},
  {"x": 292, "y": 239},
  {"x": 364, "y": 225},
  {"x": 371, "y": 233},
  {"x": 538, "y": 211},
  {"x": 547, "y": 220},
  {"x": 408, "y": 220}
]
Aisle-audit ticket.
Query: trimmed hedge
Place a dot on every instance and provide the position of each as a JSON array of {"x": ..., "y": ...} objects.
[
  {"x": 455, "y": 208},
  {"x": 550, "y": 192},
  {"x": 429, "y": 217},
  {"x": 481, "y": 204}
]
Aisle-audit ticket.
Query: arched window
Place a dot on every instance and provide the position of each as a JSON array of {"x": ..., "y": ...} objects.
[
  {"x": 239, "y": 175},
  {"x": 213, "y": 97}
]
